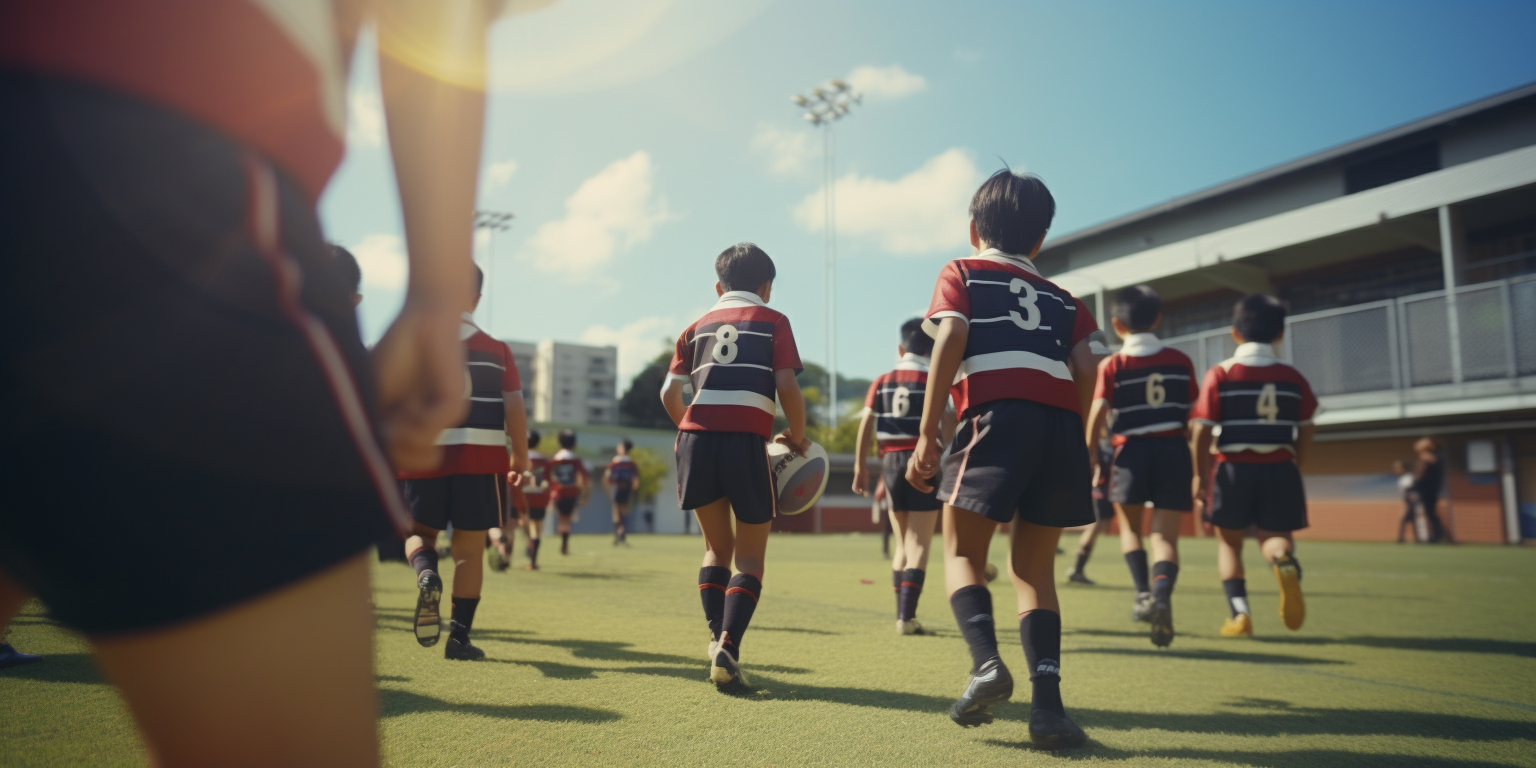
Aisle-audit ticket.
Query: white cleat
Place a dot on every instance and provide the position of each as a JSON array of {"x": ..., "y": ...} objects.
[{"x": 910, "y": 627}]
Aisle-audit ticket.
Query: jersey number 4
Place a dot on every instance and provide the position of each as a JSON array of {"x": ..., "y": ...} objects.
[{"x": 1269, "y": 405}]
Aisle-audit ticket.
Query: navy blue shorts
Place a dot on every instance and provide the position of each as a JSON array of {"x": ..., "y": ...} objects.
[
  {"x": 905, "y": 498},
  {"x": 717, "y": 465},
  {"x": 1153, "y": 469},
  {"x": 1020, "y": 459},
  {"x": 1269, "y": 496},
  {"x": 469, "y": 502}
]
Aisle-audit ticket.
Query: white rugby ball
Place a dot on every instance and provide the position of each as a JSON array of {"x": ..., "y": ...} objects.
[{"x": 799, "y": 480}]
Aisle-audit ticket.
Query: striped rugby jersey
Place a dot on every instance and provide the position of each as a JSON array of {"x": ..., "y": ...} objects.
[
  {"x": 478, "y": 445},
  {"x": 535, "y": 488},
  {"x": 730, "y": 355},
  {"x": 623, "y": 470},
  {"x": 564, "y": 470},
  {"x": 1149, "y": 389},
  {"x": 896, "y": 400},
  {"x": 1257, "y": 402},
  {"x": 1023, "y": 328}
]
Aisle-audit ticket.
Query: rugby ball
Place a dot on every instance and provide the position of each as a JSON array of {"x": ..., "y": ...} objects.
[{"x": 798, "y": 479}]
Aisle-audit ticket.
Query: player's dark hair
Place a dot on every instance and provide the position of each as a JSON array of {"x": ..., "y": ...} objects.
[
  {"x": 1259, "y": 318},
  {"x": 744, "y": 267},
  {"x": 534, "y": 438},
  {"x": 351, "y": 273},
  {"x": 479, "y": 280},
  {"x": 567, "y": 439},
  {"x": 628, "y": 444},
  {"x": 1012, "y": 211},
  {"x": 914, "y": 339},
  {"x": 1138, "y": 307}
]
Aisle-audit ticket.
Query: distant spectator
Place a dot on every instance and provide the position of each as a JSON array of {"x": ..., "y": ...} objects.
[
  {"x": 1428, "y": 480},
  {"x": 1411, "y": 519}
]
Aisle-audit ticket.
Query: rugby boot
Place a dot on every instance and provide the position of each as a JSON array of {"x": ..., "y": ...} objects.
[
  {"x": 1078, "y": 577},
  {"x": 456, "y": 650},
  {"x": 990, "y": 684},
  {"x": 1293, "y": 610},
  {"x": 910, "y": 627},
  {"x": 724, "y": 671},
  {"x": 1161, "y": 618},
  {"x": 1141, "y": 609},
  {"x": 1240, "y": 625},
  {"x": 497, "y": 559},
  {"x": 10, "y": 657},
  {"x": 1049, "y": 730},
  {"x": 429, "y": 596}
]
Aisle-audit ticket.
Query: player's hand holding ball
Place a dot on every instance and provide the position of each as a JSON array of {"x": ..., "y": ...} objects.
[{"x": 798, "y": 446}]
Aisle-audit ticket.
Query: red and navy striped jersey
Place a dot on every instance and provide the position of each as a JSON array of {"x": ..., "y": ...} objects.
[
  {"x": 478, "y": 445},
  {"x": 623, "y": 470},
  {"x": 1149, "y": 389},
  {"x": 566, "y": 470},
  {"x": 535, "y": 487},
  {"x": 1257, "y": 402},
  {"x": 1023, "y": 328},
  {"x": 896, "y": 400},
  {"x": 730, "y": 355}
]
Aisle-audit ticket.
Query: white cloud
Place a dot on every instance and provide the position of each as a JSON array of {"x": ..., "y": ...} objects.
[
  {"x": 496, "y": 175},
  {"x": 788, "y": 152},
  {"x": 612, "y": 211},
  {"x": 365, "y": 118},
  {"x": 382, "y": 259},
  {"x": 891, "y": 82},
  {"x": 638, "y": 342},
  {"x": 921, "y": 212}
]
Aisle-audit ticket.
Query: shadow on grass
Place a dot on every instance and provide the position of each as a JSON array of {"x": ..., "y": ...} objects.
[
  {"x": 1309, "y": 758},
  {"x": 590, "y": 576},
  {"x": 1204, "y": 654},
  {"x": 1432, "y": 644},
  {"x": 797, "y": 630},
  {"x": 58, "y": 668},
  {"x": 391, "y": 679},
  {"x": 601, "y": 650},
  {"x": 397, "y": 702},
  {"x": 694, "y": 670}
]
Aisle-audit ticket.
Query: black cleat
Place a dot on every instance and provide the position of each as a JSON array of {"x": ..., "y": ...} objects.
[
  {"x": 457, "y": 651},
  {"x": 1161, "y": 617},
  {"x": 724, "y": 671},
  {"x": 1049, "y": 730},
  {"x": 10, "y": 657},
  {"x": 990, "y": 684},
  {"x": 1078, "y": 577},
  {"x": 429, "y": 624},
  {"x": 1141, "y": 610}
]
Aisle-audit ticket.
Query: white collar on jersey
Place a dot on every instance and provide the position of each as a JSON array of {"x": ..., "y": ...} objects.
[
  {"x": 563, "y": 454},
  {"x": 1023, "y": 262},
  {"x": 467, "y": 328},
  {"x": 912, "y": 361},
  {"x": 736, "y": 299},
  {"x": 1254, "y": 353},
  {"x": 1141, "y": 345}
]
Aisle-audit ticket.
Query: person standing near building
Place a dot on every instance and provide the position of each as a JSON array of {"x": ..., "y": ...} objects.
[
  {"x": 1412, "y": 518},
  {"x": 1428, "y": 481}
]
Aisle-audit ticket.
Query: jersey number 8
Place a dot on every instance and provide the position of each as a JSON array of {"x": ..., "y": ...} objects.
[{"x": 725, "y": 344}]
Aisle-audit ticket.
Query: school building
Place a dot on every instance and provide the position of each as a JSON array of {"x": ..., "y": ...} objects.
[
  {"x": 1408, "y": 259},
  {"x": 568, "y": 383}
]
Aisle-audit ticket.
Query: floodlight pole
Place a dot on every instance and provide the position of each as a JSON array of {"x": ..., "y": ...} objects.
[
  {"x": 824, "y": 106},
  {"x": 492, "y": 221}
]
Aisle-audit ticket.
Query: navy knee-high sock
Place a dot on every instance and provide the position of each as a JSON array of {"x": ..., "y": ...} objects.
[
  {"x": 463, "y": 617},
  {"x": 973, "y": 612},
  {"x": 712, "y": 585},
  {"x": 896, "y": 588},
  {"x": 740, "y": 601},
  {"x": 1164, "y": 576},
  {"x": 424, "y": 559},
  {"x": 911, "y": 590},
  {"x": 1040, "y": 632},
  {"x": 1137, "y": 562}
]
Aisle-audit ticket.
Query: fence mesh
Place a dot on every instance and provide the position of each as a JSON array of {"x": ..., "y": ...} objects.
[
  {"x": 1480, "y": 328},
  {"x": 1348, "y": 352},
  {"x": 1190, "y": 346},
  {"x": 1522, "y": 300},
  {"x": 1427, "y": 342}
]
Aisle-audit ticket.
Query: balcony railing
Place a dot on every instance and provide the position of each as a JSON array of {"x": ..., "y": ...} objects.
[{"x": 1476, "y": 333}]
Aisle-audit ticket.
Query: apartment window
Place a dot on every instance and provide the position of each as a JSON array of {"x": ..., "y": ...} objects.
[
  {"x": 596, "y": 414},
  {"x": 1382, "y": 170}
]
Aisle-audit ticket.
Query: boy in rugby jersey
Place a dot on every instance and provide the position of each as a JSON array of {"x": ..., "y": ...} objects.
[
  {"x": 737, "y": 357},
  {"x": 892, "y": 410},
  {"x": 1248, "y": 474},
  {"x": 622, "y": 479},
  {"x": 536, "y": 496},
  {"x": 1142, "y": 400},
  {"x": 569, "y": 484},
  {"x": 1017, "y": 354},
  {"x": 465, "y": 489}
]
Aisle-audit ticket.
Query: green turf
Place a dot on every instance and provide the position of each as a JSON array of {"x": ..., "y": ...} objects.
[{"x": 1411, "y": 656}]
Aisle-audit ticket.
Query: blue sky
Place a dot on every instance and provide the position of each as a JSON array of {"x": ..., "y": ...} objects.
[{"x": 635, "y": 139}]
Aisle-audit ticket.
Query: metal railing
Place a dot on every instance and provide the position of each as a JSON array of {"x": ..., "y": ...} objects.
[{"x": 1475, "y": 333}]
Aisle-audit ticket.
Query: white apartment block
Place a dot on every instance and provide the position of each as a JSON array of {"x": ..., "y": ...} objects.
[{"x": 568, "y": 383}]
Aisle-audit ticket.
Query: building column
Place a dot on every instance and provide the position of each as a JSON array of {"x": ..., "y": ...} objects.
[
  {"x": 1452, "y": 266},
  {"x": 1511, "y": 495}
]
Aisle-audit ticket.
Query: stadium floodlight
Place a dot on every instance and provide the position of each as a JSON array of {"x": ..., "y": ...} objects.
[
  {"x": 824, "y": 106},
  {"x": 493, "y": 222}
]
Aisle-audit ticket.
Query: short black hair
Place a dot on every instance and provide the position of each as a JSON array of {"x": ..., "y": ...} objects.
[
  {"x": 628, "y": 444},
  {"x": 1259, "y": 318},
  {"x": 744, "y": 267},
  {"x": 351, "y": 273},
  {"x": 479, "y": 280},
  {"x": 534, "y": 438},
  {"x": 567, "y": 439},
  {"x": 1138, "y": 307},
  {"x": 1012, "y": 211},
  {"x": 914, "y": 339}
]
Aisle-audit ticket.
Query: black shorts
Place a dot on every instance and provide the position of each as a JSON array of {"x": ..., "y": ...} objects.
[
  {"x": 719, "y": 465},
  {"x": 469, "y": 502},
  {"x": 621, "y": 494},
  {"x": 905, "y": 498},
  {"x": 156, "y": 342},
  {"x": 567, "y": 506},
  {"x": 1155, "y": 469},
  {"x": 536, "y": 513},
  {"x": 1020, "y": 458},
  {"x": 1269, "y": 496}
]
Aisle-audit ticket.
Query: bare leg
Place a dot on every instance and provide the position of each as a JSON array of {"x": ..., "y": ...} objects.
[
  {"x": 719, "y": 539},
  {"x": 898, "y": 532},
  {"x": 276, "y": 705},
  {"x": 752, "y": 548},
  {"x": 468, "y": 566},
  {"x": 1165, "y": 535},
  {"x": 1129, "y": 517},
  {"x": 967, "y": 536},
  {"x": 12, "y": 597},
  {"x": 1229, "y": 552},
  {"x": 1032, "y": 558},
  {"x": 917, "y": 538}
]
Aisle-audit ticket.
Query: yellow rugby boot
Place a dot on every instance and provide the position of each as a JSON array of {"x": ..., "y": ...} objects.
[
  {"x": 1293, "y": 610},
  {"x": 1240, "y": 625}
]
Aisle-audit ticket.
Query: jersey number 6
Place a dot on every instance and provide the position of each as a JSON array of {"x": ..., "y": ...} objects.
[
  {"x": 1156, "y": 394},
  {"x": 901, "y": 402}
]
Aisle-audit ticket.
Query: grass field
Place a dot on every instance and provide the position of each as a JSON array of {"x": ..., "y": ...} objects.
[{"x": 1411, "y": 656}]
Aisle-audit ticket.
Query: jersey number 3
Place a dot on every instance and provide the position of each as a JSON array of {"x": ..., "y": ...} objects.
[{"x": 1030, "y": 320}]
